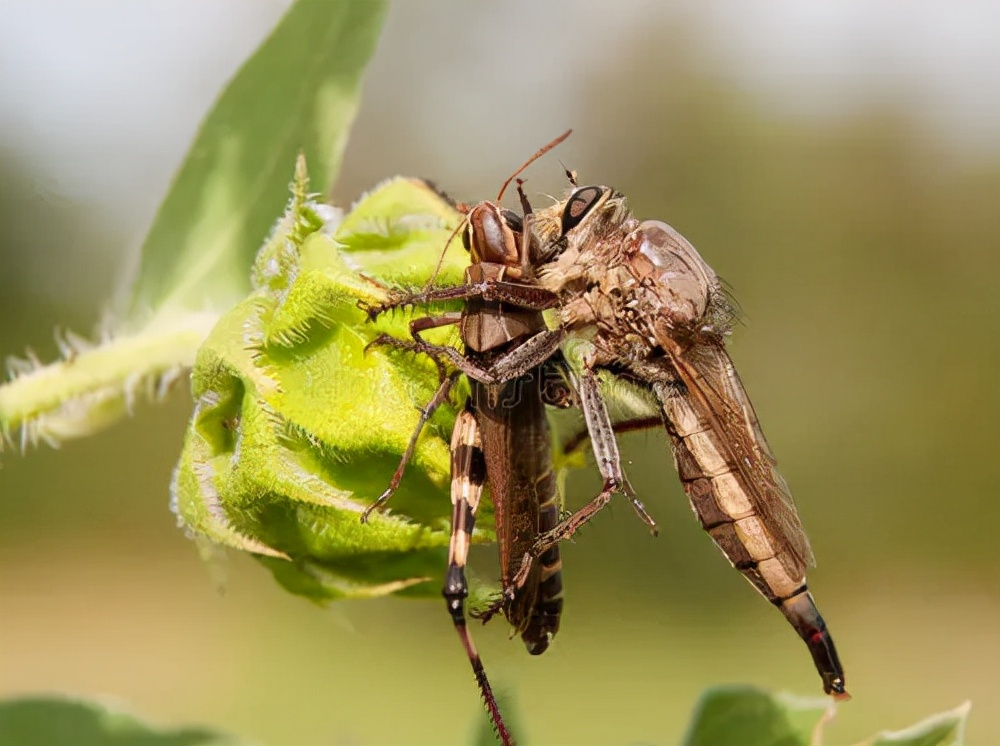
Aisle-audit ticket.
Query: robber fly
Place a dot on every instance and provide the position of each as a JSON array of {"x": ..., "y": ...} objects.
[{"x": 656, "y": 314}]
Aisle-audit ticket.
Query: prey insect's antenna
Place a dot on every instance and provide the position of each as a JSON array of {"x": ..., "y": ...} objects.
[
  {"x": 437, "y": 267},
  {"x": 538, "y": 154}
]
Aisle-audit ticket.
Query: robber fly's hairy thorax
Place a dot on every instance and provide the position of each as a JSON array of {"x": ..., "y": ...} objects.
[{"x": 634, "y": 281}]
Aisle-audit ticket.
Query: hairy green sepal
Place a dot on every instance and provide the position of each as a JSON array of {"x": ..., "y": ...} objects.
[{"x": 299, "y": 425}]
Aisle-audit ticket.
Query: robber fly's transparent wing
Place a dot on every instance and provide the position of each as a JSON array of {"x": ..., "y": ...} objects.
[{"x": 716, "y": 400}]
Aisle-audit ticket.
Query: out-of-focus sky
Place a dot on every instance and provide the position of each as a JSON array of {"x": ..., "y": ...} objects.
[
  {"x": 99, "y": 99},
  {"x": 837, "y": 162}
]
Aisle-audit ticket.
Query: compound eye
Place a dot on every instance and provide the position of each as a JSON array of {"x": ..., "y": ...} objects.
[
  {"x": 513, "y": 220},
  {"x": 580, "y": 204},
  {"x": 467, "y": 237}
]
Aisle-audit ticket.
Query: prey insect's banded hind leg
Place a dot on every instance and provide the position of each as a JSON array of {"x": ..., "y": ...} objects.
[
  {"x": 468, "y": 474},
  {"x": 608, "y": 458}
]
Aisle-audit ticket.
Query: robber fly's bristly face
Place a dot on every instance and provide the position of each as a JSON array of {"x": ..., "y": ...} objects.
[{"x": 640, "y": 279}]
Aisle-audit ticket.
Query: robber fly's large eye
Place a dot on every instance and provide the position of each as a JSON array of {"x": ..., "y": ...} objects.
[{"x": 580, "y": 204}]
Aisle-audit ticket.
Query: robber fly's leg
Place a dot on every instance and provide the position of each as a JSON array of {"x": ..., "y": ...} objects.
[
  {"x": 605, "y": 445},
  {"x": 439, "y": 398},
  {"x": 602, "y": 438},
  {"x": 468, "y": 473},
  {"x": 526, "y": 356},
  {"x": 576, "y": 442}
]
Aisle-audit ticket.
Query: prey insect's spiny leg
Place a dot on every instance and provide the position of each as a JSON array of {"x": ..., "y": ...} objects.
[
  {"x": 524, "y": 296},
  {"x": 468, "y": 469},
  {"x": 439, "y": 398}
]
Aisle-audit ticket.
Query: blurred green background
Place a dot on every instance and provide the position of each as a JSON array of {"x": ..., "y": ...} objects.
[{"x": 838, "y": 164}]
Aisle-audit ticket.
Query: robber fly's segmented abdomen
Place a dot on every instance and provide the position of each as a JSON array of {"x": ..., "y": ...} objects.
[
  {"x": 719, "y": 498},
  {"x": 722, "y": 504}
]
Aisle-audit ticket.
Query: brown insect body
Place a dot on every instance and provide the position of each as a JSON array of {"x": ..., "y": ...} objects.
[
  {"x": 514, "y": 430},
  {"x": 501, "y": 438},
  {"x": 656, "y": 313}
]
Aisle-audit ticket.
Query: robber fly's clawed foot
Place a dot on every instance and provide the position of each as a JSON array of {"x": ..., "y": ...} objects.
[
  {"x": 640, "y": 510},
  {"x": 521, "y": 577}
]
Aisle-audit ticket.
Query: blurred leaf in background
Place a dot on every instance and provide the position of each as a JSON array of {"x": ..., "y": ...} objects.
[
  {"x": 298, "y": 93},
  {"x": 63, "y": 722}
]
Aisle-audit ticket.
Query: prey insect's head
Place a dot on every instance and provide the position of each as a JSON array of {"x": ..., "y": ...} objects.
[{"x": 492, "y": 234}]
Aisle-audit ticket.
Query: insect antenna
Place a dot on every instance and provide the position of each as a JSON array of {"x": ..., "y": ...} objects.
[
  {"x": 538, "y": 154},
  {"x": 437, "y": 267},
  {"x": 570, "y": 174},
  {"x": 465, "y": 208}
]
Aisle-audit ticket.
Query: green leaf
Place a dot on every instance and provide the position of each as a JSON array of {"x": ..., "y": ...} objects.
[
  {"x": 943, "y": 729},
  {"x": 297, "y": 93},
  {"x": 740, "y": 715},
  {"x": 51, "y": 721},
  {"x": 299, "y": 425}
]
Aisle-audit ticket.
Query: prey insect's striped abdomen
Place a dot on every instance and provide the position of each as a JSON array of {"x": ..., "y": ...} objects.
[
  {"x": 517, "y": 452},
  {"x": 547, "y": 609}
]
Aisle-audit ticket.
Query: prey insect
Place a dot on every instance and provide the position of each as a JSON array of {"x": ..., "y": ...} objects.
[
  {"x": 656, "y": 314},
  {"x": 501, "y": 437}
]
